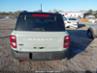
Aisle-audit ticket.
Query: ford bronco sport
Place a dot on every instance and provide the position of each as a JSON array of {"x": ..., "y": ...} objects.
[{"x": 39, "y": 35}]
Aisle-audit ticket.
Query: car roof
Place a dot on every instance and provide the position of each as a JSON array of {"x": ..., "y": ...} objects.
[{"x": 25, "y": 12}]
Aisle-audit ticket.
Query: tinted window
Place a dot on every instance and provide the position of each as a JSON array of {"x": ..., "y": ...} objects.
[{"x": 40, "y": 22}]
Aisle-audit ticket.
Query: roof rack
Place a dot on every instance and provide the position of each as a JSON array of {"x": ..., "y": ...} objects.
[{"x": 24, "y": 11}]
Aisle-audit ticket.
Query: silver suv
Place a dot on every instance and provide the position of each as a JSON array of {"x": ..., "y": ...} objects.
[{"x": 92, "y": 31}]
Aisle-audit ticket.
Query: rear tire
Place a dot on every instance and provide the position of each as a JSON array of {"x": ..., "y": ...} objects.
[
  {"x": 90, "y": 34},
  {"x": 68, "y": 27}
]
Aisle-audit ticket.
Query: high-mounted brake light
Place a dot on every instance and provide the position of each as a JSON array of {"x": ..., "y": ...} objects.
[
  {"x": 13, "y": 43},
  {"x": 40, "y": 15},
  {"x": 66, "y": 41}
]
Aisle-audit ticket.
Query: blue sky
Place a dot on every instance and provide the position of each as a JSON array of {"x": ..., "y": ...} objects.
[{"x": 33, "y": 5}]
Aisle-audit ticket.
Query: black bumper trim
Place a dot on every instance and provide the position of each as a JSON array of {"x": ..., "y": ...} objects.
[{"x": 39, "y": 55}]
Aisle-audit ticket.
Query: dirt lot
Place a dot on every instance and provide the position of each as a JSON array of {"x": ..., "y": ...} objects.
[{"x": 82, "y": 54}]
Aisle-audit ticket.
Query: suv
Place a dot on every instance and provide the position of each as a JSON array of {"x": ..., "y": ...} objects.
[
  {"x": 92, "y": 31},
  {"x": 39, "y": 36}
]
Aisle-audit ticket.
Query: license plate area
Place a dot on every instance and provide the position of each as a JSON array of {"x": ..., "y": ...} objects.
[{"x": 39, "y": 56}]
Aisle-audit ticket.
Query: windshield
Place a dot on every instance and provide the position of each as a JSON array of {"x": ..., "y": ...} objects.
[{"x": 40, "y": 22}]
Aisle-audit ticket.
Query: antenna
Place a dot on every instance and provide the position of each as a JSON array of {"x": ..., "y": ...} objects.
[{"x": 41, "y": 7}]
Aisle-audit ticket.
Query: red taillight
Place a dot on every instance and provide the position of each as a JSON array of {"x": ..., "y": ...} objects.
[
  {"x": 40, "y": 15},
  {"x": 66, "y": 41},
  {"x": 13, "y": 43}
]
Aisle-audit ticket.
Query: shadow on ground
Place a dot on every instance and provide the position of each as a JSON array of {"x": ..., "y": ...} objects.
[{"x": 79, "y": 42}]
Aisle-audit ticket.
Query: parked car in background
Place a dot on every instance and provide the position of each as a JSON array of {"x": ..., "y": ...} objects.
[
  {"x": 71, "y": 22},
  {"x": 91, "y": 19},
  {"x": 39, "y": 35},
  {"x": 92, "y": 31}
]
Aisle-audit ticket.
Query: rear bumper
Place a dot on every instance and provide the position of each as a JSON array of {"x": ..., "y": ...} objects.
[{"x": 39, "y": 55}]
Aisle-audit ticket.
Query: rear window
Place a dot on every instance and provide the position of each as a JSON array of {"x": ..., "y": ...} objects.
[{"x": 40, "y": 22}]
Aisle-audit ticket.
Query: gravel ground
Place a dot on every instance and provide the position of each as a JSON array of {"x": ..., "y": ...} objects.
[{"x": 82, "y": 54}]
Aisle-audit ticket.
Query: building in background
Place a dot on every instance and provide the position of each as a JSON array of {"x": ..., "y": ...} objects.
[{"x": 75, "y": 14}]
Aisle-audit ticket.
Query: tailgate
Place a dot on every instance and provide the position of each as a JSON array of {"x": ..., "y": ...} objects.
[{"x": 39, "y": 41}]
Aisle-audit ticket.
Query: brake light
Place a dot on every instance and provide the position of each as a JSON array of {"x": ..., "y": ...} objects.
[
  {"x": 13, "y": 43},
  {"x": 40, "y": 15},
  {"x": 66, "y": 41}
]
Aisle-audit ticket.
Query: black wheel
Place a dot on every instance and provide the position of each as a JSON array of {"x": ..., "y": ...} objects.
[
  {"x": 68, "y": 26},
  {"x": 90, "y": 34}
]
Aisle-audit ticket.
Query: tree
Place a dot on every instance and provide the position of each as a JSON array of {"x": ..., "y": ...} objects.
[
  {"x": 89, "y": 12},
  {"x": 95, "y": 14}
]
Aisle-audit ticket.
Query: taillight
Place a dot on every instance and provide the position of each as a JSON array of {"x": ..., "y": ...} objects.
[
  {"x": 13, "y": 43},
  {"x": 66, "y": 41}
]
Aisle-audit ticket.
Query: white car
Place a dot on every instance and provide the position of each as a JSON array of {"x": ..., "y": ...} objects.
[
  {"x": 39, "y": 36},
  {"x": 71, "y": 22},
  {"x": 92, "y": 21}
]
